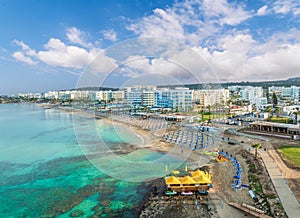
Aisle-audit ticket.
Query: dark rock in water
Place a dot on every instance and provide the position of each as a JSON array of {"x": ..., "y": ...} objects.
[
  {"x": 108, "y": 211},
  {"x": 97, "y": 214},
  {"x": 105, "y": 203},
  {"x": 96, "y": 208},
  {"x": 76, "y": 213}
]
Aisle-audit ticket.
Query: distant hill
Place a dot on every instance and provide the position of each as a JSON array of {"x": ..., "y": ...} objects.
[
  {"x": 97, "y": 88},
  {"x": 264, "y": 84}
]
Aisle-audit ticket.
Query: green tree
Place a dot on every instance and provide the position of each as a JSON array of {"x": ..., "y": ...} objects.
[
  {"x": 256, "y": 146},
  {"x": 277, "y": 111},
  {"x": 268, "y": 109},
  {"x": 274, "y": 99},
  {"x": 209, "y": 111},
  {"x": 202, "y": 114},
  {"x": 296, "y": 116},
  {"x": 268, "y": 95}
]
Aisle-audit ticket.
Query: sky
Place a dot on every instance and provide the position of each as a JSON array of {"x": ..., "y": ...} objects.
[{"x": 54, "y": 45}]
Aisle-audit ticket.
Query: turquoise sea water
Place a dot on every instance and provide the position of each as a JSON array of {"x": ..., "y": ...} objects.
[{"x": 44, "y": 172}]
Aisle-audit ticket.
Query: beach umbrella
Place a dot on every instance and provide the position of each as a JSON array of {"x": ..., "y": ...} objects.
[
  {"x": 172, "y": 181},
  {"x": 187, "y": 180},
  {"x": 202, "y": 179},
  {"x": 197, "y": 173}
]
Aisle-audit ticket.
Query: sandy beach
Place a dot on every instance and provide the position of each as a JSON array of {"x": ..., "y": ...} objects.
[
  {"x": 215, "y": 205},
  {"x": 222, "y": 193}
]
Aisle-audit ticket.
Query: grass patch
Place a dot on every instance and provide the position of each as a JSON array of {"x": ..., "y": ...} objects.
[
  {"x": 280, "y": 120},
  {"x": 255, "y": 184},
  {"x": 252, "y": 168},
  {"x": 291, "y": 153}
]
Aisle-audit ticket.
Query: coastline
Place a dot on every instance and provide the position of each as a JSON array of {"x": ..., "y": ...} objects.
[{"x": 154, "y": 201}]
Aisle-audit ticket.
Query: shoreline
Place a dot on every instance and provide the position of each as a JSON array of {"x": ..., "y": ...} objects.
[{"x": 152, "y": 141}]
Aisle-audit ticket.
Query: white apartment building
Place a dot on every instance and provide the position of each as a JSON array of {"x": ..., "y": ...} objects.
[
  {"x": 180, "y": 98},
  {"x": 51, "y": 95},
  {"x": 118, "y": 95},
  {"x": 148, "y": 98},
  {"x": 80, "y": 94},
  {"x": 140, "y": 95},
  {"x": 261, "y": 103},
  {"x": 235, "y": 90},
  {"x": 211, "y": 97},
  {"x": 250, "y": 93},
  {"x": 290, "y": 93},
  {"x": 286, "y": 93},
  {"x": 30, "y": 95}
]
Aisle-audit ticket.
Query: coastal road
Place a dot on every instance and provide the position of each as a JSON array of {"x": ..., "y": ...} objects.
[{"x": 287, "y": 198}]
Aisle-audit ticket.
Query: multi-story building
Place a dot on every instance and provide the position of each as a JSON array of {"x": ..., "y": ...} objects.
[
  {"x": 30, "y": 95},
  {"x": 65, "y": 95},
  {"x": 118, "y": 95},
  {"x": 211, "y": 97},
  {"x": 148, "y": 98},
  {"x": 286, "y": 93},
  {"x": 179, "y": 98},
  {"x": 250, "y": 93},
  {"x": 51, "y": 95},
  {"x": 79, "y": 94},
  {"x": 182, "y": 99},
  {"x": 234, "y": 90},
  {"x": 290, "y": 93},
  {"x": 140, "y": 95},
  {"x": 163, "y": 98}
]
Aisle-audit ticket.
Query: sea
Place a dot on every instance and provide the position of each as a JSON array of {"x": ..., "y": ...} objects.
[{"x": 56, "y": 164}]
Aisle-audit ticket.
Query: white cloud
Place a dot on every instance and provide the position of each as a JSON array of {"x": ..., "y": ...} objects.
[
  {"x": 286, "y": 6},
  {"x": 262, "y": 10},
  {"x": 21, "y": 57},
  {"x": 110, "y": 35},
  {"x": 77, "y": 36},
  {"x": 101, "y": 64},
  {"x": 276, "y": 64},
  {"x": 241, "y": 58},
  {"x": 210, "y": 27},
  {"x": 59, "y": 54},
  {"x": 191, "y": 21},
  {"x": 25, "y": 48},
  {"x": 26, "y": 55},
  {"x": 161, "y": 24},
  {"x": 227, "y": 13}
]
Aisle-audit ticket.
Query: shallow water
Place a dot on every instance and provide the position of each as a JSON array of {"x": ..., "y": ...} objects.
[{"x": 44, "y": 171}]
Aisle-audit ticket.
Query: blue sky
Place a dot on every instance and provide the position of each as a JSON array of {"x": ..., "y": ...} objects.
[{"x": 48, "y": 45}]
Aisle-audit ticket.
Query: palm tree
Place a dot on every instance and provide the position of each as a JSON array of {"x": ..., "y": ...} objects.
[
  {"x": 296, "y": 116},
  {"x": 277, "y": 111},
  {"x": 274, "y": 99},
  {"x": 256, "y": 146},
  {"x": 202, "y": 114},
  {"x": 209, "y": 111},
  {"x": 228, "y": 103}
]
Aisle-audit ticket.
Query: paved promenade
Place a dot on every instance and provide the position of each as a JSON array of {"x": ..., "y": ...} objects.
[{"x": 287, "y": 198}]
